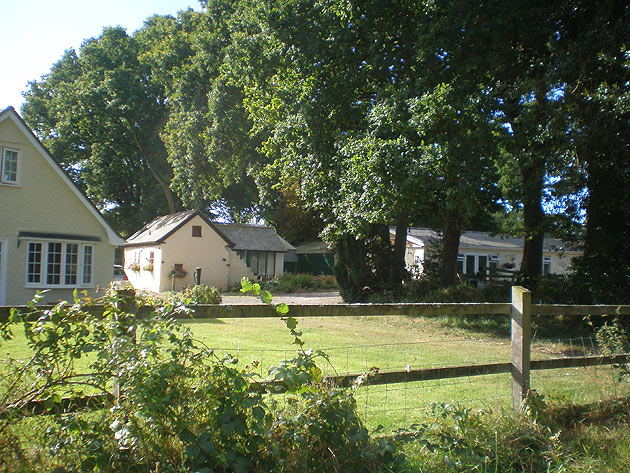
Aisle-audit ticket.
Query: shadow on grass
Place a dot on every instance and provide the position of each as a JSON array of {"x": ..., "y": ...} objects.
[{"x": 497, "y": 326}]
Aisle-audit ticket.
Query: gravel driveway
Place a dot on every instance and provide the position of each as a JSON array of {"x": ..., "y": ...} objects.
[{"x": 304, "y": 298}]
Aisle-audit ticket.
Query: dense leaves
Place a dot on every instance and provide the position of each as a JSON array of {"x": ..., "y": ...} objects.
[{"x": 349, "y": 117}]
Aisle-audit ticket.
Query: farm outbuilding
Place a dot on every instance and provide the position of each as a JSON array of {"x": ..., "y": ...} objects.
[{"x": 166, "y": 253}]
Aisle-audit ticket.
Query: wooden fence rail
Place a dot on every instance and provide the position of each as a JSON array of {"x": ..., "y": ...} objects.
[{"x": 520, "y": 310}]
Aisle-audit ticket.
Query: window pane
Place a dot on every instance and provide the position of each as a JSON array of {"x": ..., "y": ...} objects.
[
  {"x": 262, "y": 269},
  {"x": 33, "y": 274},
  {"x": 9, "y": 170},
  {"x": 53, "y": 268},
  {"x": 87, "y": 265},
  {"x": 72, "y": 257},
  {"x": 470, "y": 265}
]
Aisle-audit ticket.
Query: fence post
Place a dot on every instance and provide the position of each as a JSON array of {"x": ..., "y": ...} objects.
[
  {"x": 127, "y": 304},
  {"x": 521, "y": 343}
]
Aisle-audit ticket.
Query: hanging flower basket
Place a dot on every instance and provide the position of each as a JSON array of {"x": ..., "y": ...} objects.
[
  {"x": 134, "y": 267},
  {"x": 177, "y": 273},
  {"x": 148, "y": 267}
]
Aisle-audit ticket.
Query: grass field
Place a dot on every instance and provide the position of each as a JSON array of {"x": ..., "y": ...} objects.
[
  {"x": 467, "y": 421},
  {"x": 358, "y": 344}
]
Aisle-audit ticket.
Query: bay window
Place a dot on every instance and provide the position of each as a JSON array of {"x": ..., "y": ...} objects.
[{"x": 59, "y": 264}]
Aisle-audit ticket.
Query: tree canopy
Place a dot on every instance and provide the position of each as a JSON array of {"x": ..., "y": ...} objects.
[{"x": 348, "y": 117}]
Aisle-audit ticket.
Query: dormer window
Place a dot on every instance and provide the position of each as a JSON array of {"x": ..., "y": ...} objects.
[
  {"x": 8, "y": 166},
  {"x": 196, "y": 230}
]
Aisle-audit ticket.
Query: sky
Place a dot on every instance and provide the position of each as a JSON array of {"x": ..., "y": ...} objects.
[{"x": 35, "y": 33}]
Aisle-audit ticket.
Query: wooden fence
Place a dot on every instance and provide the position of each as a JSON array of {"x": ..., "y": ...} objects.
[{"x": 520, "y": 309}]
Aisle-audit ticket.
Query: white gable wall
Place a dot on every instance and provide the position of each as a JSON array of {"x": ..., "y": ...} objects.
[
  {"x": 209, "y": 252},
  {"x": 144, "y": 277}
]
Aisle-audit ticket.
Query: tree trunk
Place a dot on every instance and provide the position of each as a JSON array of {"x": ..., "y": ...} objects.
[
  {"x": 398, "y": 270},
  {"x": 171, "y": 201},
  {"x": 450, "y": 247},
  {"x": 153, "y": 159},
  {"x": 532, "y": 175}
]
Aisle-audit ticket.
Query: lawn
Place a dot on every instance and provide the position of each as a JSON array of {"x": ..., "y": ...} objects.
[
  {"x": 360, "y": 344},
  {"x": 489, "y": 435}
]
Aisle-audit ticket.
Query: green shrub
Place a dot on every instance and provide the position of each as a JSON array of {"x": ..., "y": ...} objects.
[
  {"x": 199, "y": 294},
  {"x": 290, "y": 283},
  {"x": 461, "y": 439},
  {"x": 430, "y": 290}
]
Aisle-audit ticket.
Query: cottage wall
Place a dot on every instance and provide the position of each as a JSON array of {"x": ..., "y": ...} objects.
[
  {"x": 139, "y": 270},
  {"x": 558, "y": 262},
  {"x": 238, "y": 270}
]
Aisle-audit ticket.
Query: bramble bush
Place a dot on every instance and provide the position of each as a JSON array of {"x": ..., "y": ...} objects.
[{"x": 171, "y": 404}]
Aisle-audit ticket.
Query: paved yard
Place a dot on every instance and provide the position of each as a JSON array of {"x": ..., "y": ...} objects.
[{"x": 305, "y": 298}]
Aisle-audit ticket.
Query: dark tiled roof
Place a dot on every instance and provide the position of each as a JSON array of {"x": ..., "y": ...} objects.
[
  {"x": 160, "y": 228},
  {"x": 237, "y": 236},
  {"x": 253, "y": 237}
]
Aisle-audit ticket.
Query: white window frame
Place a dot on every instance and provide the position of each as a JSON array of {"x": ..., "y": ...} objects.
[
  {"x": 86, "y": 277},
  {"x": 547, "y": 264},
  {"x": 463, "y": 258},
  {"x": 43, "y": 274},
  {"x": 3, "y": 160}
]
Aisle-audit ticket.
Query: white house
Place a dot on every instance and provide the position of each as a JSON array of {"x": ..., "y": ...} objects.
[
  {"x": 479, "y": 251},
  {"x": 51, "y": 236},
  {"x": 180, "y": 243}
]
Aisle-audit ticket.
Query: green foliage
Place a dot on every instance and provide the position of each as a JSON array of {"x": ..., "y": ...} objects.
[
  {"x": 349, "y": 116},
  {"x": 291, "y": 283},
  {"x": 461, "y": 439},
  {"x": 100, "y": 95},
  {"x": 550, "y": 435},
  {"x": 612, "y": 339},
  {"x": 201, "y": 294}
]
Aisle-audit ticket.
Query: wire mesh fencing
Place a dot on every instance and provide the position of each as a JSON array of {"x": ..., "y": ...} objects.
[
  {"x": 578, "y": 384},
  {"x": 407, "y": 401},
  {"x": 410, "y": 369}
]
